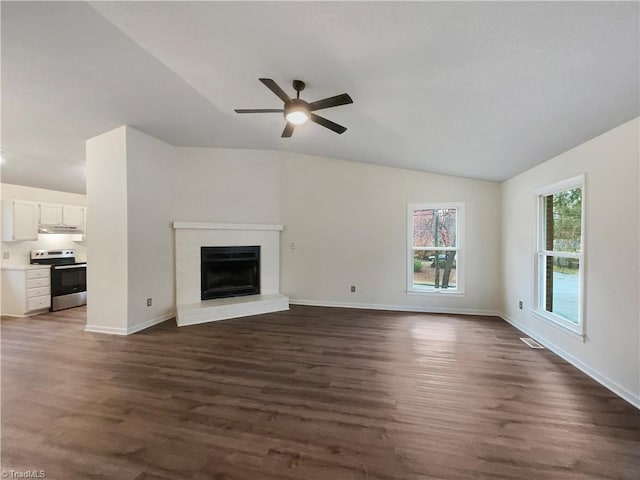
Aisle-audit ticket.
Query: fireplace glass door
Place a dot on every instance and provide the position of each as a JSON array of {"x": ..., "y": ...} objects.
[{"x": 230, "y": 271}]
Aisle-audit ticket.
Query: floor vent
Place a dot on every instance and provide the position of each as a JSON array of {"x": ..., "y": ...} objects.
[{"x": 531, "y": 343}]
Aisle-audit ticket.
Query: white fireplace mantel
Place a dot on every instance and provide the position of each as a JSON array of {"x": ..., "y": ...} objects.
[
  {"x": 224, "y": 226},
  {"x": 190, "y": 237}
]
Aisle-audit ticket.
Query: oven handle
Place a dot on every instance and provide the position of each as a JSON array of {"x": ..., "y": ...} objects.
[{"x": 66, "y": 267}]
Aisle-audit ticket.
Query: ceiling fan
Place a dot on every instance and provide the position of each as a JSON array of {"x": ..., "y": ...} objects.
[{"x": 297, "y": 111}]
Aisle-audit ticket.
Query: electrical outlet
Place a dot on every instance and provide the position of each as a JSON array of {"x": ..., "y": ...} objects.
[
  {"x": 6, "y": 255},
  {"x": 292, "y": 245},
  {"x": 353, "y": 289},
  {"x": 149, "y": 302},
  {"x": 520, "y": 304}
]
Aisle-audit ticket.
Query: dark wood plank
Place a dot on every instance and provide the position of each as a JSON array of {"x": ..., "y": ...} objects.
[{"x": 313, "y": 393}]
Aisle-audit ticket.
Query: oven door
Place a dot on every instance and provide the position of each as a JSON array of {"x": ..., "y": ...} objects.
[{"x": 68, "y": 279}]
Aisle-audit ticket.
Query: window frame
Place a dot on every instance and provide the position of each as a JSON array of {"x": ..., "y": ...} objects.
[
  {"x": 541, "y": 254},
  {"x": 460, "y": 266}
]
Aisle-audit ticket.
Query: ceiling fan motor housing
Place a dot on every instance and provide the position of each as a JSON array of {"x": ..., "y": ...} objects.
[
  {"x": 296, "y": 111},
  {"x": 296, "y": 105}
]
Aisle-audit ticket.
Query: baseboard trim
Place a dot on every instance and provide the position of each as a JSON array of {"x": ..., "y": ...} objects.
[
  {"x": 150, "y": 323},
  {"x": 27, "y": 315},
  {"x": 130, "y": 330},
  {"x": 103, "y": 329},
  {"x": 392, "y": 308},
  {"x": 583, "y": 367}
]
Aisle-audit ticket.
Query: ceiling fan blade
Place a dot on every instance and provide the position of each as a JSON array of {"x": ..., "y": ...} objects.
[
  {"x": 288, "y": 130},
  {"x": 259, "y": 110},
  {"x": 327, "y": 123},
  {"x": 336, "y": 101},
  {"x": 273, "y": 86}
]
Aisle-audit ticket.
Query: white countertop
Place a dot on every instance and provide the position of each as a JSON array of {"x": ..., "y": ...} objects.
[{"x": 24, "y": 267}]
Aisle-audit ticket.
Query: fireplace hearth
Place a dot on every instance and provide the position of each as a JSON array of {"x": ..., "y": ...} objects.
[{"x": 229, "y": 271}]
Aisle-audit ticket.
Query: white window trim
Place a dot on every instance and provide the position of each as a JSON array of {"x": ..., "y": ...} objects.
[
  {"x": 579, "y": 329},
  {"x": 460, "y": 257}
]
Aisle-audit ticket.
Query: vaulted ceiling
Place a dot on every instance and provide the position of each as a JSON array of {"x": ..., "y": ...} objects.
[{"x": 481, "y": 90}]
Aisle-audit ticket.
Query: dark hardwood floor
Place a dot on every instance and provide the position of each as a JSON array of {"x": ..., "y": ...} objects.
[{"x": 313, "y": 393}]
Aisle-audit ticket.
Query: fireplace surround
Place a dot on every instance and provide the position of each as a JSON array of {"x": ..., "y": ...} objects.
[{"x": 191, "y": 237}]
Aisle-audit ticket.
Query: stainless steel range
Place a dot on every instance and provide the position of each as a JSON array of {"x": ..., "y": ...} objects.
[{"x": 68, "y": 277}]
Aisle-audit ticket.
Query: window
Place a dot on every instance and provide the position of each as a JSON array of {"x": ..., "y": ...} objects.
[
  {"x": 560, "y": 254},
  {"x": 434, "y": 251}
]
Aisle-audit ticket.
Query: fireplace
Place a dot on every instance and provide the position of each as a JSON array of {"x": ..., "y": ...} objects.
[
  {"x": 229, "y": 271},
  {"x": 190, "y": 237}
]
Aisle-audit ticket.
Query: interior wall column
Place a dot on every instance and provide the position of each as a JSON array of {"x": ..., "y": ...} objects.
[{"x": 107, "y": 250}]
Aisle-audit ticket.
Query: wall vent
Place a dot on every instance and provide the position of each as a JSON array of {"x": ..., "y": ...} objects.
[{"x": 531, "y": 343}]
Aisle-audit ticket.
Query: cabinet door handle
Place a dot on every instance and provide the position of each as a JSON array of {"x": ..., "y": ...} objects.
[{"x": 66, "y": 267}]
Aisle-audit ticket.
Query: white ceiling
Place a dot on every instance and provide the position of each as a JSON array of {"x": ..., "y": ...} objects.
[{"x": 482, "y": 90}]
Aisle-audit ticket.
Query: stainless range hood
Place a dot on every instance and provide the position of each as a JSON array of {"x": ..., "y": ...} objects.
[{"x": 71, "y": 229}]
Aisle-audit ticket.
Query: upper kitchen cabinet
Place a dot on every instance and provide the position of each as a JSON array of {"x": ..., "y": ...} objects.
[
  {"x": 55, "y": 214},
  {"x": 24, "y": 219},
  {"x": 73, "y": 215},
  {"x": 19, "y": 220},
  {"x": 57, "y": 218},
  {"x": 50, "y": 214}
]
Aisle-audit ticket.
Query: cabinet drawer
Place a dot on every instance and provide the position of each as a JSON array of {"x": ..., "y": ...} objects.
[
  {"x": 40, "y": 273},
  {"x": 37, "y": 292},
  {"x": 36, "y": 303},
  {"x": 38, "y": 282}
]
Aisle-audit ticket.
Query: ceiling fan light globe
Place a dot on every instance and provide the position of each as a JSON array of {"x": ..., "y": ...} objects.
[{"x": 297, "y": 117}]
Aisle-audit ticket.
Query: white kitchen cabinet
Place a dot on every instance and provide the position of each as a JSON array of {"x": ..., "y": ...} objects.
[
  {"x": 56, "y": 214},
  {"x": 19, "y": 220},
  {"x": 50, "y": 214},
  {"x": 26, "y": 290},
  {"x": 73, "y": 215}
]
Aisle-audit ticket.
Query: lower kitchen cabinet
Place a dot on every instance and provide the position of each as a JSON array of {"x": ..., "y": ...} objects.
[{"x": 26, "y": 290}]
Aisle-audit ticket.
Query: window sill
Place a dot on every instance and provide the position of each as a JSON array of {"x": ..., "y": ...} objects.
[
  {"x": 566, "y": 327},
  {"x": 441, "y": 293}
]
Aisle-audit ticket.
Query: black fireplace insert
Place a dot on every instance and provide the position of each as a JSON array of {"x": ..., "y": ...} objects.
[{"x": 229, "y": 271}]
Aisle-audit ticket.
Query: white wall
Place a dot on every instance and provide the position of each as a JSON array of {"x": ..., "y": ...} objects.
[
  {"x": 228, "y": 185},
  {"x": 42, "y": 195},
  {"x": 153, "y": 185},
  {"x": 107, "y": 267},
  {"x": 348, "y": 221},
  {"x": 611, "y": 350},
  {"x": 19, "y": 251}
]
